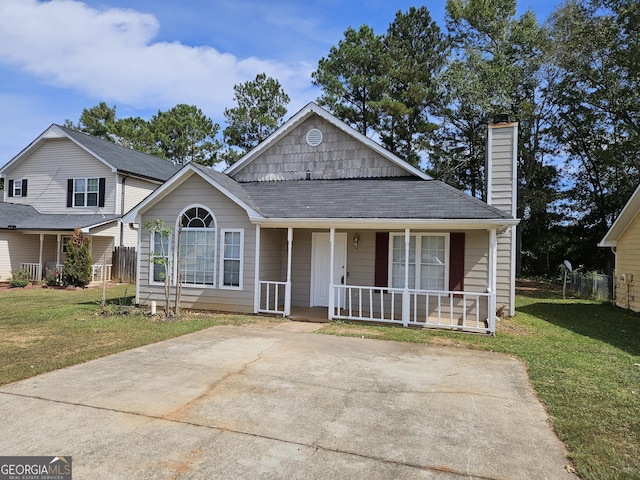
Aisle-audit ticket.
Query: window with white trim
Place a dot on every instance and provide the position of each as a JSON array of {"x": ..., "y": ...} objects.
[
  {"x": 198, "y": 247},
  {"x": 232, "y": 258},
  {"x": 428, "y": 261},
  {"x": 85, "y": 192},
  {"x": 159, "y": 257},
  {"x": 17, "y": 188}
]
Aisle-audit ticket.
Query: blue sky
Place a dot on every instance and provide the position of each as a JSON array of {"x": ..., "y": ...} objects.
[{"x": 58, "y": 57}]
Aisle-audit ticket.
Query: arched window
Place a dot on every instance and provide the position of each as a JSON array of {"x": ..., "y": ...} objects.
[{"x": 198, "y": 247}]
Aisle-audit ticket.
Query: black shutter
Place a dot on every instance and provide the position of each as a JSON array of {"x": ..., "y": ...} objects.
[
  {"x": 24, "y": 187},
  {"x": 381, "y": 276},
  {"x": 101, "y": 188},
  {"x": 456, "y": 262},
  {"x": 70, "y": 192},
  {"x": 11, "y": 188}
]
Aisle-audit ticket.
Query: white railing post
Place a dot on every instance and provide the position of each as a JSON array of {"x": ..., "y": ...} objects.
[{"x": 493, "y": 269}]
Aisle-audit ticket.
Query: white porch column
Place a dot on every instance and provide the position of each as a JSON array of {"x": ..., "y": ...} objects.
[
  {"x": 493, "y": 269},
  {"x": 406, "y": 301},
  {"x": 256, "y": 286},
  {"x": 287, "y": 289},
  {"x": 332, "y": 300},
  {"x": 40, "y": 258},
  {"x": 59, "y": 249}
]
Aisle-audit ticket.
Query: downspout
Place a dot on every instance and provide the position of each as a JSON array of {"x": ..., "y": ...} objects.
[{"x": 493, "y": 269}]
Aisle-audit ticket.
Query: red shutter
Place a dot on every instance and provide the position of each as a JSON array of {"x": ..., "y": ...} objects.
[
  {"x": 381, "y": 278},
  {"x": 456, "y": 261}
]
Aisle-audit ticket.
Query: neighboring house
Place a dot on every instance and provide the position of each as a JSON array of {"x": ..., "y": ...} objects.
[
  {"x": 65, "y": 180},
  {"x": 319, "y": 215},
  {"x": 624, "y": 240}
]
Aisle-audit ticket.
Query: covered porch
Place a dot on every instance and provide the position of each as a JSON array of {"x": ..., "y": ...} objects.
[
  {"x": 43, "y": 254},
  {"x": 306, "y": 272}
]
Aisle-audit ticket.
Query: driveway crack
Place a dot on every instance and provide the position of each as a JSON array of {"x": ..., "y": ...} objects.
[{"x": 314, "y": 446}]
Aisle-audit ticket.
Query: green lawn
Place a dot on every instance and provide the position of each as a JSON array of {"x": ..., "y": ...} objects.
[
  {"x": 581, "y": 356},
  {"x": 42, "y": 329}
]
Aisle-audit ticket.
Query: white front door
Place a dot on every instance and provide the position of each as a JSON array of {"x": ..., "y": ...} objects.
[{"x": 320, "y": 266}]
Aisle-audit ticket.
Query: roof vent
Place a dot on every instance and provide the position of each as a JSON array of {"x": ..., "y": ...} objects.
[{"x": 314, "y": 137}]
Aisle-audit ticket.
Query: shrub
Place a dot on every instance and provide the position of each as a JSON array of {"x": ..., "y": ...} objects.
[
  {"x": 20, "y": 279},
  {"x": 53, "y": 277},
  {"x": 77, "y": 263}
]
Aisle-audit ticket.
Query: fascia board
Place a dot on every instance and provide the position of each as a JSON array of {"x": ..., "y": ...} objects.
[{"x": 381, "y": 223}]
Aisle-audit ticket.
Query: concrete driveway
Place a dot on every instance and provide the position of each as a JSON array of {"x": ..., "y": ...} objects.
[{"x": 282, "y": 402}]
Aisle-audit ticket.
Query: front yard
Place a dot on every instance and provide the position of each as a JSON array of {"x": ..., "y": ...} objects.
[{"x": 583, "y": 358}]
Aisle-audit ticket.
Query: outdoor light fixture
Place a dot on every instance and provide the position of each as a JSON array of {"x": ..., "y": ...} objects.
[{"x": 356, "y": 240}]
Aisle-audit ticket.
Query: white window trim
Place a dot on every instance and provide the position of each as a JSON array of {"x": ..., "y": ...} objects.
[
  {"x": 215, "y": 253},
  {"x": 86, "y": 192},
  {"x": 419, "y": 236},
  {"x": 15, "y": 187},
  {"x": 65, "y": 239},
  {"x": 169, "y": 255},
  {"x": 222, "y": 259}
]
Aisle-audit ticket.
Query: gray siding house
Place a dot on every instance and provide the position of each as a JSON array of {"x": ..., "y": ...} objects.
[
  {"x": 65, "y": 180},
  {"x": 320, "y": 216}
]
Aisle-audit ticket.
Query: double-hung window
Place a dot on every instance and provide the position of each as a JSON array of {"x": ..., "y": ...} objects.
[
  {"x": 17, "y": 188},
  {"x": 231, "y": 272},
  {"x": 85, "y": 192},
  {"x": 428, "y": 261},
  {"x": 160, "y": 257},
  {"x": 198, "y": 247}
]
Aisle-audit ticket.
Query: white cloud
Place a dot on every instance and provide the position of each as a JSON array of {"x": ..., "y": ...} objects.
[{"x": 110, "y": 54}]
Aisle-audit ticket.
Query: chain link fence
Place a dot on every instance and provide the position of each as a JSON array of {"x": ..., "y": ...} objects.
[{"x": 593, "y": 286}]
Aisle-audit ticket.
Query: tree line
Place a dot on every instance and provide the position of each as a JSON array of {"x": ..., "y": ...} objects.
[{"x": 427, "y": 94}]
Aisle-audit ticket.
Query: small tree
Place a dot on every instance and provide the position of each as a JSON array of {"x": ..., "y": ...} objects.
[
  {"x": 77, "y": 263},
  {"x": 161, "y": 256}
]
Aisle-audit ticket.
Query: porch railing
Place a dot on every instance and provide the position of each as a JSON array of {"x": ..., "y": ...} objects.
[
  {"x": 97, "y": 271},
  {"x": 435, "y": 309},
  {"x": 100, "y": 272},
  {"x": 33, "y": 269},
  {"x": 272, "y": 297}
]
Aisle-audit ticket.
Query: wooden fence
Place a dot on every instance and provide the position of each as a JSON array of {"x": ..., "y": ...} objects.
[{"x": 124, "y": 265}]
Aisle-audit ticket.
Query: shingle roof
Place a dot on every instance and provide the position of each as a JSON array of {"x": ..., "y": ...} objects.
[
  {"x": 126, "y": 160},
  {"x": 398, "y": 198},
  {"x": 25, "y": 217}
]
